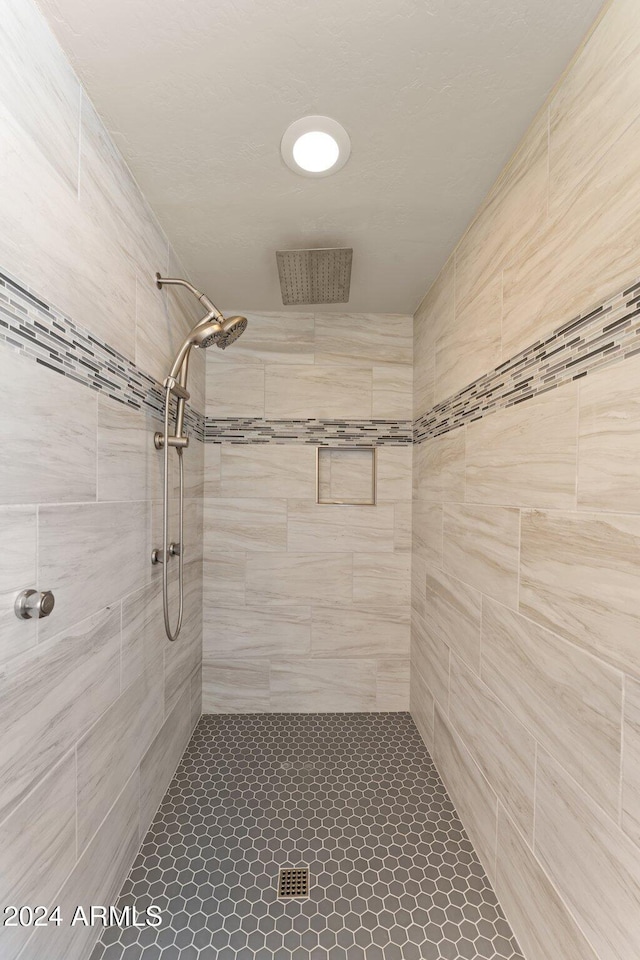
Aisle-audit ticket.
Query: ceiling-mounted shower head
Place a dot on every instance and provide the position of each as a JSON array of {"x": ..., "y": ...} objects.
[{"x": 320, "y": 275}]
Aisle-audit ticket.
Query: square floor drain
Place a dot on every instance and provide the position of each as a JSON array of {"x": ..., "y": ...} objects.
[{"x": 293, "y": 883}]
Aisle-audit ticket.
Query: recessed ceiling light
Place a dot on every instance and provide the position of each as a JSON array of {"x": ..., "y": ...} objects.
[{"x": 315, "y": 146}]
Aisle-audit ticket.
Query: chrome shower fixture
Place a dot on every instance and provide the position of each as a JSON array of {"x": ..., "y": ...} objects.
[{"x": 213, "y": 328}]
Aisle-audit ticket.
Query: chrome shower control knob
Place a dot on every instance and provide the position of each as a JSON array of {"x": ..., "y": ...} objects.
[{"x": 31, "y": 605}]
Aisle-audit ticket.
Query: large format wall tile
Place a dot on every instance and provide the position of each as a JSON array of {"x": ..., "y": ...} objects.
[
  {"x": 453, "y": 614},
  {"x": 382, "y": 581},
  {"x": 631, "y": 761},
  {"x": 593, "y": 864},
  {"x": 115, "y": 846},
  {"x": 421, "y": 705},
  {"x": 609, "y": 438},
  {"x": 330, "y": 529},
  {"x": 231, "y": 633},
  {"x": 540, "y": 920},
  {"x": 393, "y": 473},
  {"x": 38, "y": 848},
  {"x": 392, "y": 392},
  {"x": 430, "y": 656},
  {"x": 17, "y": 572},
  {"x": 271, "y": 338},
  {"x": 258, "y": 524},
  {"x": 525, "y": 455},
  {"x": 475, "y": 800},
  {"x": 299, "y": 577},
  {"x": 303, "y": 686},
  {"x": 235, "y": 686},
  {"x": 500, "y": 745},
  {"x": 266, "y": 470},
  {"x": 129, "y": 466},
  {"x": 65, "y": 457},
  {"x": 580, "y": 576},
  {"x": 427, "y": 540},
  {"x": 351, "y": 632},
  {"x": 392, "y": 685},
  {"x": 352, "y": 339},
  {"x": 161, "y": 759},
  {"x": 569, "y": 700},
  {"x": 235, "y": 389},
  {"x": 317, "y": 391},
  {"x": 439, "y": 468},
  {"x": 51, "y": 695},
  {"x": 435, "y": 314},
  {"x": 481, "y": 548},
  {"x": 90, "y": 555}
]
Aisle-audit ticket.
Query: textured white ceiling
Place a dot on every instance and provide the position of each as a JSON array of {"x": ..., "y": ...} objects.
[{"x": 435, "y": 94}]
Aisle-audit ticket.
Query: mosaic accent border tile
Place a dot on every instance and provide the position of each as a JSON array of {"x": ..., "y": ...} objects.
[
  {"x": 45, "y": 335},
  {"x": 588, "y": 342},
  {"x": 317, "y": 432}
]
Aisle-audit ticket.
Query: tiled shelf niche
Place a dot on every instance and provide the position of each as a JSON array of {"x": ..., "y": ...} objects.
[{"x": 346, "y": 475}]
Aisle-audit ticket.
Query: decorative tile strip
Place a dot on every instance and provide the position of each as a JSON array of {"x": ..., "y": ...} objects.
[
  {"x": 40, "y": 332},
  {"x": 588, "y": 342},
  {"x": 318, "y": 432}
]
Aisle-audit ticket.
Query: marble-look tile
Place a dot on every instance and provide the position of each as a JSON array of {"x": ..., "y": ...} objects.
[
  {"x": 593, "y": 105},
  {"x": 66, "y": 465},
  {"x": 609, "y": 439},
  {"x": 325, "y": 528},
  {"x": 234, "y": 632},
  {"x": 196, "y": 695},
  {"x": 264, "y": 470},
  {"x": 213, "y": 468},
  {"x": 631, "y": 761},
  {"x": 382, "y": 580},
  {"x": 481, "y": 548},
  {"x": 90, "y": 555},
  {"x": 418, "y": 593},
  {"x": 470, "y": 347},
  {"x": 453, "y": 612},
  {"x": 511, "y": 213},
  {"x": 38, "y": 849},
  {"x": 235, "y": 686},
  {"x": 430, "y": 656},
  {"x": 435, "y": 314},
  {"x": 476, "y": 802},
  {"x": 361, "y": 338},
  {"x": 256, "y": 524},
  {"x": 350, "y": 632},
  {"x": 392, "y": 685},
  {"x": 235, "y": 389},
  {"x": 540, "y": 920},
  {"x": 580, "y": 577},
  {"x": 114, "y": 848},
  {"x": 181, "y": 658},
  {"x": 161, "y": 759},
  {"x": 307, "y": 686},
  {"x": 393, "y": 473},
  {"x": 392, "y": 392},
  {"x": 427, "y": 531},
  {"x": 223, "y": 578},
  {"x": 111, "y": 750},
  {"x": 346, "y": 475},
  {"x": 39, "y": 86},
  {"x": 593, "y": 864},
  {"x": 194, "y": 470},
  {"x": 570, "y": 701},
  {"x": 142, "y": 632},
  {"x": 129, "y": 466},
  {"x": 525, "y": 455},
  {"x": 299, "y": 578},
  {"x": 503, "y": 749},
  {"x": 315, "y": 391},
  {"x": 17, "y": 572},
  {"x": 439, "y": 468},
  {"x": 421, "y": 705},
  {"x": 50, "y": 696},
  {"x": 402, "y": 527},
  {"x": 271, "y": 338}
]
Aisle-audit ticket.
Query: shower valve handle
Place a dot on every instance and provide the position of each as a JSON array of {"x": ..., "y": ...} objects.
[{"x": 31, "y": 605}]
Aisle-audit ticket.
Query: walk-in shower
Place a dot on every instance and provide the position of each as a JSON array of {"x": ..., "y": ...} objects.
[{"x": 213, "y": 328}]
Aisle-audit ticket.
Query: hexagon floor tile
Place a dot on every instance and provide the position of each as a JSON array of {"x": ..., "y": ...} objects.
[{"x": 353, "y": 796}]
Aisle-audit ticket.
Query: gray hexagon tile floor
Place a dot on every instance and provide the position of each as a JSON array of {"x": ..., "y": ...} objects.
[{"x": 356, "y": 798}]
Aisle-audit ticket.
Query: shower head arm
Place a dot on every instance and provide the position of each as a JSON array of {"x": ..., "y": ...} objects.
[{"x": 204, "y": 300}]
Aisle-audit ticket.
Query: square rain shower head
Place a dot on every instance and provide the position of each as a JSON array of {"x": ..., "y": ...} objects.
[{"x": 315, "y": 276}]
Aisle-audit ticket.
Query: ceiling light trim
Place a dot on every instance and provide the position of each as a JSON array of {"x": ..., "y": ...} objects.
[{"x": 309, "y": 125}]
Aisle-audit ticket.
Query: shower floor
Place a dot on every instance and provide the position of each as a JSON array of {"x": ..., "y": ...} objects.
[{"x": 356, "y": 799}]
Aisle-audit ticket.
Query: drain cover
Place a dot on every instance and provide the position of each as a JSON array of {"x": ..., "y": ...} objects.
[{"x": 293, "y": 883}]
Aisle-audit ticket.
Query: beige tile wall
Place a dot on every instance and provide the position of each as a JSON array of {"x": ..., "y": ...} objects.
[
  {"x": 306, "y": 605},
  {"x": 97, "y": 706},
  {"x": 526, "y": 596}
]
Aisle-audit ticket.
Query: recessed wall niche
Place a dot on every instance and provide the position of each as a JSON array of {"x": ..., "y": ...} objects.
[{"x": 346, "y": 475}]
